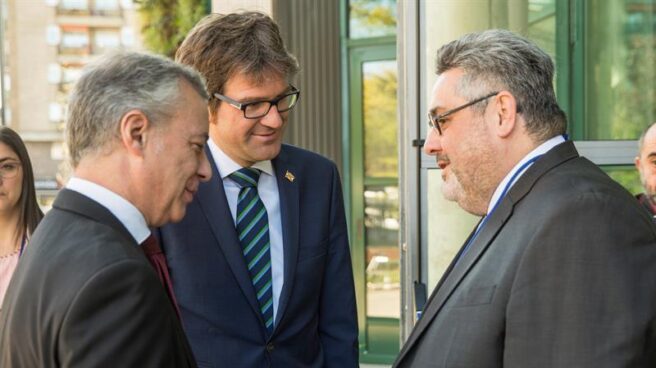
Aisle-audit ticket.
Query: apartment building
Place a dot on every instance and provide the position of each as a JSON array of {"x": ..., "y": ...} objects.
[{"x": 46, "y": 44}]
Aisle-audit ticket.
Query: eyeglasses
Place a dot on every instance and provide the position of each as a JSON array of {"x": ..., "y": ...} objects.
[
  {"x": 258, "y": 109},
  {"x": 9, "y": 169},
  {"x": 436, "y": 121}
]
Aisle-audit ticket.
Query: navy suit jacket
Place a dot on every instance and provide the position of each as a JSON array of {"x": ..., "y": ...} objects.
[{"x": 316, "y": 323}]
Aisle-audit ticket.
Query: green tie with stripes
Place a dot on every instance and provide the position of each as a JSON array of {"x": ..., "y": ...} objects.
[{"x": 253, "y": 231}]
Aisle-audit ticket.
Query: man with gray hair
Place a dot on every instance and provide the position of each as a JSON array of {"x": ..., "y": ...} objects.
[
  {"x": 561, "y": 269},
  {"x": 84, "y": 294}
]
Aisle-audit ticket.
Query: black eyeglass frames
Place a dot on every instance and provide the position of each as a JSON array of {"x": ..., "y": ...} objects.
[
  {"x": 258, "y": 109},
  {"x": 435, "y": 121}
]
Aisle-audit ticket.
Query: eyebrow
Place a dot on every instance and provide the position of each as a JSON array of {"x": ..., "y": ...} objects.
[
  {"x": 3, "y": 159},
  {"x": 262, "y": 98},
  {"x": 651, "y": 154}
]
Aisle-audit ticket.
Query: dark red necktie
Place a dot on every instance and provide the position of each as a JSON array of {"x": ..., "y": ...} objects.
[{"x": 157, "y": 259}]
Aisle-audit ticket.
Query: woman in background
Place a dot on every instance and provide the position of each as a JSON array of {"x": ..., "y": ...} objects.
[{"x": 19, "y": 210}]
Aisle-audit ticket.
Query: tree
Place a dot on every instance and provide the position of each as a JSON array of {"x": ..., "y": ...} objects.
[{"x": 167, "y": 22}]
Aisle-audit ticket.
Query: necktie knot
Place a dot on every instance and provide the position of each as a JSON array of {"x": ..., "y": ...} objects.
[{"x": 246, "y": 177}]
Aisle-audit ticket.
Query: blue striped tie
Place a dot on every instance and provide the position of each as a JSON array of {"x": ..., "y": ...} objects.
[{"x": 253, "y": 232}]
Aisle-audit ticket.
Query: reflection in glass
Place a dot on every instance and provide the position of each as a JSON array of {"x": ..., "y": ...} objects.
[
  {"x": 542, "y": 24},
  {"x": 381, "y": 223},
  {"x": 627, "y": 176},
  {"x": 380, "y": 126},
  {"x": 620, "y": 77},
  {"x": 372, "y": 18}
]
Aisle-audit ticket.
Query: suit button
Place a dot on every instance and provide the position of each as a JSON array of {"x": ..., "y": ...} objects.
[{"x": 270, "y": 347}]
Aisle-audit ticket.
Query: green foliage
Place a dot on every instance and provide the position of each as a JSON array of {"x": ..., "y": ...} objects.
[
  {"x": 371, "y": 18},
  {"x": 166, "y": 22},
  {"x": 381, "y": 127},
  {"x": 373, "y": 13}
]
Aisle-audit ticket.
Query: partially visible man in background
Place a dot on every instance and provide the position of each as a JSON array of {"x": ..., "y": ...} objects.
[
  {"x": 261, "y": 263},
  {"x": 645, "y": 162},
  {"x": 84, "y": 294}
]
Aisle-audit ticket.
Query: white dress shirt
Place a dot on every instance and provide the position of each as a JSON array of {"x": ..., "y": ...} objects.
[
  {"x": 539, "y": 150},
  {"x": 267, "y": 188},
  {"x": 123, "y": 210}
]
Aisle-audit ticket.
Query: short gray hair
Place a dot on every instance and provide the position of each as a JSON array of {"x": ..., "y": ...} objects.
[
  {"x": 116, "y": 84},
  {"x": 500, "y": 59}
]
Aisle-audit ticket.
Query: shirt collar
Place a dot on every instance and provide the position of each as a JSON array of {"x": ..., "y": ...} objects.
[
  {"x": 227, "y": 166},
  {"x": 537, "y": 151},
  {"x": 121, "y": 208}
]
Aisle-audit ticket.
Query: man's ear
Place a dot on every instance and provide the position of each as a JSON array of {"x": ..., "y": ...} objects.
[
  {"x": 135, "y": 129},
  {"x": 636, "y": 161},
  {"x": 506, "y": 113}
]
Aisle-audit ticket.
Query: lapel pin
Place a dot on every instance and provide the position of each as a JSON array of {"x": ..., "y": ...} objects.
[{"x": 289, "y": 176}]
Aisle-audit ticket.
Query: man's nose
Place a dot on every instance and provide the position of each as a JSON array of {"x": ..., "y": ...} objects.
[
  {"x": 432, "y": 144},
  {"x": 273, "y": 118},
  {"x": 204, "y": 169}
]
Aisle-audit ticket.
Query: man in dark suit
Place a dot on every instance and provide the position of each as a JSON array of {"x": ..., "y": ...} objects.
[
  {"x": 84, "y": 294},
  {"x": 645, "y": 162},
  {"x": 561, "y": 270},
  {"x": 261, "y": 264}
]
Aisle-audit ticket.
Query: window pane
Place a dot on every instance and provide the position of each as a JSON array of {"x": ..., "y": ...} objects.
[
  {"x": 626, "y": 175},
  {"x": 620, "y": 77},
  {"x": 372, "y": 18},
  {"x": 542, "y": 24},
  {"x": 381, "y": 223},
  {"x": 380, "y": 126}
]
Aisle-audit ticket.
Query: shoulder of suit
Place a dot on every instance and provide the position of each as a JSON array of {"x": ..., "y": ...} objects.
[{"x": 293, "y": 153}]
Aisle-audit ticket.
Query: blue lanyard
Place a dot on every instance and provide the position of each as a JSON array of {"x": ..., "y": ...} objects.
[{"x": 505, "y": 190}]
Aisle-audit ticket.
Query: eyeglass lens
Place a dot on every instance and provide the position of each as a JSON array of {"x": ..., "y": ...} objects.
[
  {"x": 9, "y": 169},
  {"x": 259, "y": 109}
]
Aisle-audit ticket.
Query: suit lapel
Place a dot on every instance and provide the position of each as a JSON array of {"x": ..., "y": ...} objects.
[
  {"x": 459, "y": 269},
  {"x": 288, "y": 189},
  {"x": 72, "y": 201},
  {"x": 212, "y": 201}
]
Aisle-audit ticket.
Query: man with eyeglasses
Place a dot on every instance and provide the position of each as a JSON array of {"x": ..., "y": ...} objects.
[
  {"x": 260, "y": 265},
  {"x": 561, "y": 269}
]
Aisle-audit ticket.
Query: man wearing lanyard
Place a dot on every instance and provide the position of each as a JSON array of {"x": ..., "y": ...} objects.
[
  {"x": 561, "y": 269},
  {"x": 645, "y": 162}
]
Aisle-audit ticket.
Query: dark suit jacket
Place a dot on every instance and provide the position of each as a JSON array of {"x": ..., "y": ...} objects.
[
  {"x": 84, "y": 295},
  {"x": 316, "y": 322},
  {"x": 562, "y": 275}
]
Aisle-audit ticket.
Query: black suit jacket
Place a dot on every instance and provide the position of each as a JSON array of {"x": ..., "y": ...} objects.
[
  {"x": 84, "y": 295},
  {"x": 563, "y": 274}
]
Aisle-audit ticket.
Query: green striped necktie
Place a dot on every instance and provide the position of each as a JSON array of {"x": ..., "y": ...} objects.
[{"x": 253, "y": 231}]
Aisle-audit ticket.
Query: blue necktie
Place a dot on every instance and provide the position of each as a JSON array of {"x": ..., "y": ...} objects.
[{"x": 253, "y": 231}]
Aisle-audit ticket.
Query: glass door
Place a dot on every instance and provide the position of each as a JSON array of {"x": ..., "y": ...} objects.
[{"x": 375, "y": 199}]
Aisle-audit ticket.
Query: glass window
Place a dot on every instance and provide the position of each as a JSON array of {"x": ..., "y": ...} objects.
[
  {"x": 106, "y": 4},
  {"x": 382, "y": 252},
  {"x": 104, "y": 40},
  {"x": 541, "y": 27},
  {"x": 627, "y": 176},
  {"x": 73, "y": 6},
  {"x": 380, "y": 130},
  {"x": 620, "y": 77},
  {"x": 372, "y": 18},
  {"x": 74, "y": 42}
]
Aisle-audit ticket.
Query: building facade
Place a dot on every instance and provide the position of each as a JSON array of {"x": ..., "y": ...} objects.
[{"x": 46, "y": 44}]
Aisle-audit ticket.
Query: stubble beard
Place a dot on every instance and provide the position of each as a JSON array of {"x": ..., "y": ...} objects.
[{"x": 475, "y": 176}]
